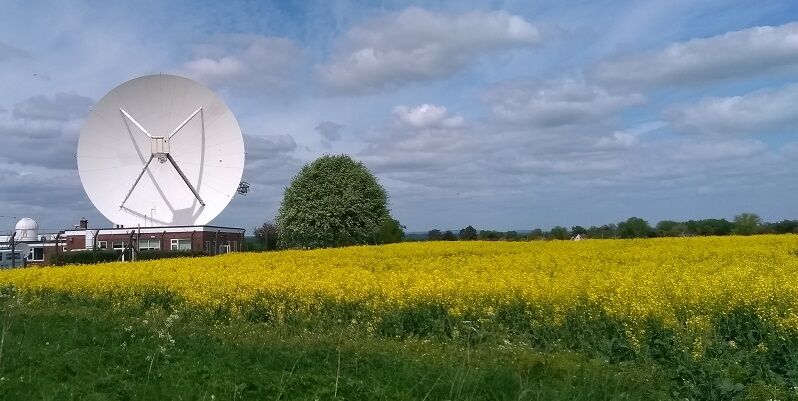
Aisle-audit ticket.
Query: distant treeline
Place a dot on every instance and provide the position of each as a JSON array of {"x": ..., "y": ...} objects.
[{"x": 633, "y": 227}]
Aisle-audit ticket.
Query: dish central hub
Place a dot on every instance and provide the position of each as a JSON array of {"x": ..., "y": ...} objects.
[{"x": 160, "y": 148}]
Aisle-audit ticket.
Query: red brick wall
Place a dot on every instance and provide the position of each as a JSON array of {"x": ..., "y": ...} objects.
[
  {"x": 200, "y": 240},
  {"x": 76, "y": 242}
]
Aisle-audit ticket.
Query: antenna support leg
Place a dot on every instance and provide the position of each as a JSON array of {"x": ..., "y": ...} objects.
[{"x": 183, "y": 176}]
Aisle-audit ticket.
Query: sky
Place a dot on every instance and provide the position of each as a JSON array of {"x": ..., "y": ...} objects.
[{"x": 497, "y": 114}]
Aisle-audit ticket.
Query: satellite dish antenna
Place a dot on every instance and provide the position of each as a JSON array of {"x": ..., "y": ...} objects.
[{"x": 160, "y": 150}]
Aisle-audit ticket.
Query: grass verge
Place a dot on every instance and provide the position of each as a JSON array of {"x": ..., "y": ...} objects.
[{"x": 71, "y": 352}]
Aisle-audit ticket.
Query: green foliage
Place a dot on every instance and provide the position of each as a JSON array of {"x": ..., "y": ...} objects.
[
  {"x": 251, "y": 244},
  {"x": 785, "y": 226},
  {"x": 468, "y": 234},
  {"x": 100, "y": 256},
  {"x": 669, "y": 228},
  {"x": 449, "y": 236},
  {"x": 390, "y": 231},
  {"x": 333, "y": 201},
  {"x": 559, "y": 232},
  {"x": 709, "y": 227},
  {"x": 54, "y": 349},
  {"x": 434, "y": 235},
  {"x": 536, "y": 234},
  {"x": 83, "y": 257},
  {"x": 56, "y": 352},
  {"x": 578, "y": 230},
  {"x": 605, "y": 231},
  {"x": 747, "y": 224},
  {"x": 266, "y": 235},
  {"x": 162, "y": 254},
  {"x": 634, "y": 227}
]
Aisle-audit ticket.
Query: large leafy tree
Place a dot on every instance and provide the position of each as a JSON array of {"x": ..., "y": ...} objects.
[
  {"x": 634, "y": 227},
  {"x": 559, "y": 232},
  {"x": 469, "y": 233},
  {"x": 747, "y": 224},
  {"x": 333, "y": 201}
]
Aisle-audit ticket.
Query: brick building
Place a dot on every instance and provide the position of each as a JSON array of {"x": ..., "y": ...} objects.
[{"x": 210, "y": 239}]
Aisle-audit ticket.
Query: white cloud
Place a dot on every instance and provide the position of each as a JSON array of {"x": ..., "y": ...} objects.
[
  {"x": 618, "y": 140},
  {"x": 39, "y": 143},
  {"x": 63, "y": 106},
  {"x": 565, "y": 102},
  {"x": 329, "y": 132},
  {"x": 426, "y": 116},
  {"x": 42, "y": 131},
  {"x": 709, "y": 151},
  {"x": 754, "y": 113},
  {"x": 742, "y": 53},
  {"x": 420, "y": 45},
  {"x": 260, "y": 147},
  {"x": 424, "y": 139},
  {"x": 246, "y": 62}
]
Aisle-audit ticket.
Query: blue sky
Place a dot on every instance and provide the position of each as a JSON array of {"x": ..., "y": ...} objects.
[{"x": 502, "y": 115}]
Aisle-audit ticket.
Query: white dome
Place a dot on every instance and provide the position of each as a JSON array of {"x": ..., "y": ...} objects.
[{"x": 27, "y": 230}]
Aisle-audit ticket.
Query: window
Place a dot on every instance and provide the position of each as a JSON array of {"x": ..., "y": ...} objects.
[
  {"x": 181, "y": 245},
  {"x": 149, "y": 245},
  {"x": 208, "y": 246},
  {"x": 102, "y": 244},
  {"x": 36, "y": 254},
  {"x": 119, "y": 245},
  {"x": 224, "y": 248}
]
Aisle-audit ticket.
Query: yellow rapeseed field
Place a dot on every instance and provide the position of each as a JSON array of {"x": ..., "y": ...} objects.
[{"x": 683, "y": 283}]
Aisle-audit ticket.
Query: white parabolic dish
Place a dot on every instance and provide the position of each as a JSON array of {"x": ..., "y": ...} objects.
[{"x": 160, "y": 150}]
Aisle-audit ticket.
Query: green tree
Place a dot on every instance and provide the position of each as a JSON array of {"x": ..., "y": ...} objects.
[
  {"x": 536, "y": 234},
  {"x": 605, "y": 231},
  {"x": 468, "y": 234},
  {"x": 333, "y": 201},
  {"x": 785, "y": 226},
  {"x": 390, "y": 231},
  {"x": 449, "y": 236},
  {"x": 489, "y": 235},
  {"x": 266, "y": 235},
  {"x": 434, "y": 235},
  {"x": 634, "y": 227},
  {"x": 577, "y": 230},
  {"x": 709, "y": 227},
  {"x": 746, "y": 224},
  {"x": 559, "y": 232},
  {"x": 670, "y": 228}
]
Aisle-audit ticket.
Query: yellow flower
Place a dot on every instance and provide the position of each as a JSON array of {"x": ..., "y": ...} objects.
[{"x": 686, "y": 284}]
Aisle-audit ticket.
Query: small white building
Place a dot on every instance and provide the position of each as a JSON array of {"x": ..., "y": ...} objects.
[{"x": 36, "y": 248}]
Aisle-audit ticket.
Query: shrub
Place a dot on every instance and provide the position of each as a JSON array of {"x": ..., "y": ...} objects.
[
  {"x": 101, "y": 256},
  {"x": 84, "y": 257}
]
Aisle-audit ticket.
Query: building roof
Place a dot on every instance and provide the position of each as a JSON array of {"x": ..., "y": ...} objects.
[{"x": 155, "y": 230}]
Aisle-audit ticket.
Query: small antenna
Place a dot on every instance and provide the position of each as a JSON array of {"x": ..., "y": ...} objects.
[{"x": 243, "y": 188}]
